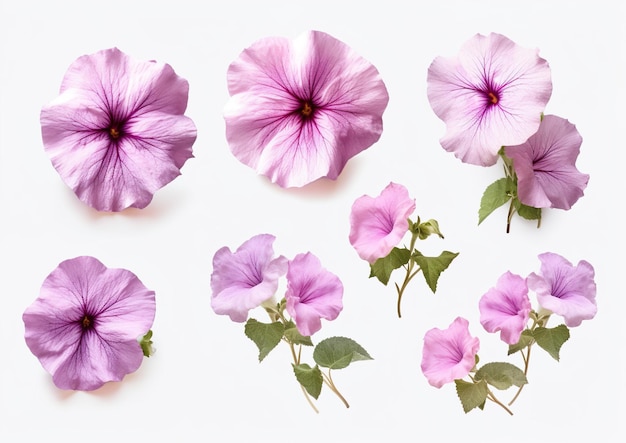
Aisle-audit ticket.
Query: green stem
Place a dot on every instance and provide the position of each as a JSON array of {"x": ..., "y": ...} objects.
[
  {"x": 409, "y": 275},
  {"x": 526, "y": 361},
  {"x": 493, "y": 398},
  {"x": 510, "y": 215},
  {"x": 328, "y": 379}
]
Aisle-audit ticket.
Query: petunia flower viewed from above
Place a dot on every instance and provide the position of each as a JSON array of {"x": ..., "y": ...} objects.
[
  {"x": 299, "y": 110},
  {"x": 87, "y": 323},
  {"x": 116, "y": 133},
  {"x": 491, "y": 95}
]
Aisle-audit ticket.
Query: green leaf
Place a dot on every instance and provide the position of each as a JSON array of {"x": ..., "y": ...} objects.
[
  {"x": 527, "y": 212},
  {"x": 432, "y": 267},
  {"x": 501, "y": 375},
  {"x": 146, "y": 344},
  {"x": 338, "y": 352},
  {"x": 293, "y": 335},
  {"x": 310, "y": 378},
  {"x": 383, "y": 267},
  {"x": 496, "y": 194},
  {"x": 472, "y": 395},
  {"x": 265, "y": 335},
  {"x": 525, "y": 339},
  {"x": 551, "y": 339}
]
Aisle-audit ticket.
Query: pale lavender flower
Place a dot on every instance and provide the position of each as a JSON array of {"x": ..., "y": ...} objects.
[
  {"x": 116, "y": 133},
  {"x": 244, "y": 279},
  {"x": 545, "y": 165},
  {"x": 299, "y": 110},
  {"x": 85, "y": 325},
  {"x": 312, "y": 293},
  {"x": 506, "y": 307},
  {"x": 566, "y": 290},
  {"x": 377, "y": 224},
  {"x": 449, "y": 354},
  {"x": 491, "y": 95}
]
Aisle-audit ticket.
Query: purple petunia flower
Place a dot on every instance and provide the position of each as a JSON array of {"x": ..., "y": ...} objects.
[
  {"x": 244, "y": 279},
  {"x": 566, "y": 290},
  {"x": 299, "y": 110},
  {"x": 545, "y": 165},
  {"x": 449, "y": 354},
  {"x": 378, "y": 224},
  {"x": 85, "y": 325},
  {"x": 116, "y": 133},
  {"x": 312, "y": 293},
  {"x": 506, "y": 308},
  {"x": 491, "y": 95}
]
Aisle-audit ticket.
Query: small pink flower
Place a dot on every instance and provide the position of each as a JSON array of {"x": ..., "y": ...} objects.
[
  {"x": 506, "y": 308},
  {"x": 566, "y": 290},
  {"x": 449, "y": 354},
  {"x": 312, "y": 293},
  {"x": 378, "y": 224}
]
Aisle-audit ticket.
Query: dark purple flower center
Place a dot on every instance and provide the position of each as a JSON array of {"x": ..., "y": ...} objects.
[
  {"x": 306, "y": 109},
  {"x": 87, "y": 322}
]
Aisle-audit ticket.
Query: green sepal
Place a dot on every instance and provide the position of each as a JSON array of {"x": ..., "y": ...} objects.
[
  {"x": 527, "y": 212},
  {"x": 427, "y": 228},
  {"x": 472, "y": 395},
  {"x": 310, "y": 378},
  {"x": 384, "y": 266},
  {"x": 266, "y": 336},
  {"x": 496, "y": 195},
  {"x": 146, "y": 344},
  {"x": 551, "y": 339},
  {"x": 293, "y": 335},
  {"x": 501, "y": 375},
  {"x": 432, "y": 267},
  {"x": 338, "y": 352},
  {"x": 525, "y": 339}
]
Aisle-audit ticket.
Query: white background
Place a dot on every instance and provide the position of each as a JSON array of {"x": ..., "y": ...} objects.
[{"x": 205, "y": 383}]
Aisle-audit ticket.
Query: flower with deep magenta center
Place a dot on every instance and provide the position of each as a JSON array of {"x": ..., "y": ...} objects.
[
  {"x": 565, "y": 289},
  {"x": 299, "y": 110},
  {"x": 312, "y": 293},
  {"x": 377, "y": 224},
  {"x": 449, "y": 354},
  {"x": 545, "y": 165},
  {"x": 491, "y": 95},
  {"x": 506, "y": 307},
  {"x": 85, "y": 325},
  {"x": 116, "y": 133},
  {"x": 244, "y": 279}
]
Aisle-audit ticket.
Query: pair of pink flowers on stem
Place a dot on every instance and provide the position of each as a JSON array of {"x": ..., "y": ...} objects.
[{"x": 561, "y": 288}]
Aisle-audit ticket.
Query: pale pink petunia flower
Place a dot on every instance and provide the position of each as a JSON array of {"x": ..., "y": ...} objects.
[
  {"x": 491, "y": 95},
  {"x": 86, "y": 324},
  {"x": 565, "y": 289},
  {"x": 244, "y": 279},
  {"x": 545, "y": 165},
  {"x": 116, "y": 133},
  {"x": 300, "y": 109},
  {"x": 312, "y": 293},
  {"x": 506, "y": 307},
  {"x": 377, "y": 224},
  {"x": 449, "y": 354}
]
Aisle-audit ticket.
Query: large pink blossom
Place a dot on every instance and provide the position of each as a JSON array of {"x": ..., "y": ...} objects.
[
  {"x": 545, "y": 165},
  {"x": 377, "y": 224},
  {"x": 312, "y": 293},
  {"x": 449, "y": 354},
  {"x": 244, "y": 279},
  {"x": 565, "y": 289},
  {"x": 506, "y": 307},
  {"x": 116, "y": 133},
  {"x": 299, "y": 110},
  {"x": 491, "y": 95},
  {"x": 85, "y": 325}
]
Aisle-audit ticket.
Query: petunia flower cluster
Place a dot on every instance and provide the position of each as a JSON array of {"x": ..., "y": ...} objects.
[
  {"x": 378, "y": 225},
  {"x": 492, "y": 97},
  {"x": 561, "y": 289},
  {"x": 249, "y": 278}
]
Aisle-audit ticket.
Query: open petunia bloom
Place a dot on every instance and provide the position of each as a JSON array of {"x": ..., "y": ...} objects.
[
  {"x": 506, "y": 307},
  {"x": 299, "y": 110},
  {"x": 545, "y": 165},
  {"x": 491, "y": 95},
  {"x": 86, "y": 324},
  {"x": 566, "y": 290},
  {"x": 312, "y": 293},
  {"x": 377, "y": 224},
  {"x": 244, "y": 279},
  {"x": 116, "y": 133},
  {"x": 449, "y": 354}
]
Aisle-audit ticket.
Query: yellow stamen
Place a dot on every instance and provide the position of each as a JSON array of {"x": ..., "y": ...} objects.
[
  {"x": 86, "y": 322},
  {"x": 114, "y": 132},
  {"x": 307, "y": 109},
  {"x": 492, "y": 98}
]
